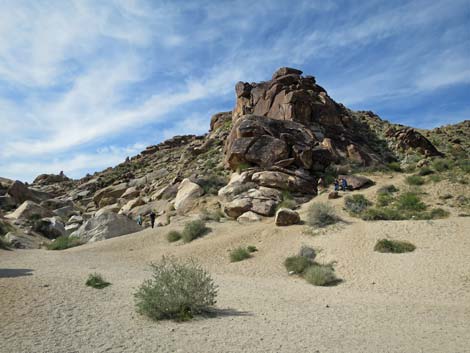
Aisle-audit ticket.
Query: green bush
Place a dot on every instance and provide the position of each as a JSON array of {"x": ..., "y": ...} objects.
[
  {"x": 173, "y": 235},
  {"x": 414, "y": 180},
  {"x": 356, "y": 204},
  {"x": 211, "y": 184},
  {"x": 387, "y": 189},
  {"x": 395, "y": 166},
  {"x": 177, "y": 290},
  {"x": 64, "y": 242},
  {"x": 393, "y": 246},
  {"x": 440, "y": 165},
  {"x": 435, "y": 178},
  {"x": 385, "y": 214},
  {"x": 297, "y": 264},
  {"x": 4, "y": 244},
  {"x": 320, "y": 275},
  {"x": 384, "y": 199},
  {"x": 214, "y": 215},
  {"x": 425, "y": 171},
  {"x": 239, "y": 254},
  {"x": 95, "y": 280},
  {"x": 410, "y": 201},
  {"x": 193, "y": 230},
  {"x": 321, "y": 214},
  {"x": 251, "y": 248},
  {"x": 5, "y": 228}
]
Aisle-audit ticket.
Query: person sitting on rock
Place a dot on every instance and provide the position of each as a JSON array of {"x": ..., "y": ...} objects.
[
  {"x": 152, "y": 218},
  {"x": 336, "y": 185},
  {"x": 344, "y": 184}
]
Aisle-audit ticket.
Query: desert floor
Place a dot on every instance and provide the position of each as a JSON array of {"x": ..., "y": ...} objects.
[{"x": 414, "y": 302}]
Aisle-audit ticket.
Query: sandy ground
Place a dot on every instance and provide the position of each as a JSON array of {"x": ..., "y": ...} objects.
[{"x": 415, "y": 302}]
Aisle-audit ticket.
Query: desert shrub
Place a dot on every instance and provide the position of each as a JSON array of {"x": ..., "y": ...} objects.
[
  {"x": 387, "y": 189},
  {"x": 214, "y": 215},
  {"x": 34, "y": 217},
  {"x": 321, "y": 214},
  {"x": 239, "y": 254},
  {"x": 425, "y": 171},
  {"x": 356, "y": 204},
  {"x": 464, "y": 164},
  {"x": 410, "y": 201},
  {"x": 251, "y": 248},
  {"x": 4, "y": 244},
  {"x": 173, "y": 235},
  {"x": 287, "y": 201},
  {"x": 95, "y": 280},
  {"x": 64, "y": 242},
  {"x": 395, "y": 166},
  {"x": 393, "y": 246},
  {"x": 435, "y": 178},
  {"x": 211, "y": 184},
  {"x": 440, "y": 165},
  {"x": 243, "y": 166},
  {"x": 377, "y": 214},
  {"x": 5, "y": 228},
  {"x": 297, "y": 264},
  {"x": 414, "y": 180},
  {"x": 193, "y": 230},
  {"x": 320, "y": 275},
  {"x": 384, "y": 199},
  {"x": 177, "y": 290},
  {"x": 435, "y": 213}
]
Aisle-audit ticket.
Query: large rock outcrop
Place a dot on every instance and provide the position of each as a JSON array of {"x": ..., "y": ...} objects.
[{"x": 106, "y": 225}]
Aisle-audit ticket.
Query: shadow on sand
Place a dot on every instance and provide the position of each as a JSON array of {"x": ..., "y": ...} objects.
[
  {"x": 15, "y": 272},
  {"x": 217, "y": 312}
]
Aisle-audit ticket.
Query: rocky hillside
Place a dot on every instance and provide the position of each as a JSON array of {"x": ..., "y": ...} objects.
[{"x": 281, "y": 137}]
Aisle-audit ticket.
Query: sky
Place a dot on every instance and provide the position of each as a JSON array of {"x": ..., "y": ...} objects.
[{"x": 86, "y": 83}]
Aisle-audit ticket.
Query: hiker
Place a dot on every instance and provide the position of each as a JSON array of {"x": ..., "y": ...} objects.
[
  {"x": 344, "y": 184},
  {"x": 336, "y": 185},
  {"x": 152, "y": 218},
  {"x": 320, "y": 185},
  {"x": 139, "y": 220}
]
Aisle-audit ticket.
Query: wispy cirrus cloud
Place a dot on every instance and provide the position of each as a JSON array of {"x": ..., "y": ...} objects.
[{"x": 78, "y": 76}]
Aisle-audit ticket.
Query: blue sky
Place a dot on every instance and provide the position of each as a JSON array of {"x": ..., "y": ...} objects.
[{"x": 83, "y": 84}]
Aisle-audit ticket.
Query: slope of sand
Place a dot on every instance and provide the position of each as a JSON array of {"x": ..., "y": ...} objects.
[{"x": 415, "y": 302}]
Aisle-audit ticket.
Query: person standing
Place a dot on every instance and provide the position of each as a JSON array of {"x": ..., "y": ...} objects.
[
  {"x": 139, "y": 220},
  {"x": 152, "y": 218},
  {"x": 344, "y": 184},
  {"x": 336, "y": 185}
]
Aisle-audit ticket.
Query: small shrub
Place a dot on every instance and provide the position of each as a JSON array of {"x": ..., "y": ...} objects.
[
  {"x": 435, "y": 178},
  {"x": 211, "y": 184},
  {"x": 95, "y": 280},
  {"x": 193, "y": 230},
  {"x": 425, "y": 171},
  {"x": 437, "y": 213},
  {"x": 409, "y": 201},
  {"x": 251, "y": 248},
  {"x": 387, "y": 189},
  {"x": 297, "y": 264},
  {"x": 321, "y": 215},
  {"x": 5, "y": 228},
  {"x": 287, "y": 201},
  {"x": 239, "y": 254},
  {"x": 320, "y": 275},
  {"x": 243, "y": 166},
  {"x": 177, "y": 290},
  {"x": 440, "y": 165},
  {"x": 414, "y": 180},
  {"x": 395, "y": 166},
  {"x": 173, "y": 235},
  {"x": 64, "y": 242},
  {"x": 384, "y": 199},
  {"x": 356, "y": 204},
  {"x": 378, "y": 214},
  {"x": 214, "y": 215},
  {"x": 393, "y": 246},
  {"x": 4, "y": 244}
]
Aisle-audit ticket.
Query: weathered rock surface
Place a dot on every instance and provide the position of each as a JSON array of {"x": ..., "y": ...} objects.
[
  {"x": 286, "y": 217},
  {"x": 249, "y": 217},
  {"x": 51, "y": 227},
  {"x": 21, "y": 240},
  {"x": 131, "y": 204},
  {"x": 21, "y": 193},
  {"x": 110, "y": 193},
  {"x": 356, "y": 181},
  {"x": 187, "y": 194},
  {"x": 105, "y": 226},
  {"x": 409, "y": 138},
  {"x": 28, "y": 210}
]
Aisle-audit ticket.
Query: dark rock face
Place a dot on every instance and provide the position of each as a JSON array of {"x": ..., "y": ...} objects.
[
  {"x": 47, "y": 179},
  {"x": 409, "y": 138}
]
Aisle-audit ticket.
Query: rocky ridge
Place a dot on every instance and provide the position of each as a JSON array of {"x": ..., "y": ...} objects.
[{"x": 281, "y": 137}]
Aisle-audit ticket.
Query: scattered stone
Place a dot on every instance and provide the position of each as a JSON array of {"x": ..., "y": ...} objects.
[
  {"x": 333, "y": 195},
  {"x": 249, "y": 217}
]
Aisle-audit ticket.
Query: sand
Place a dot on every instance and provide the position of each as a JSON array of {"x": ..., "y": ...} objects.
[{"x": 414, "y": 302}]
